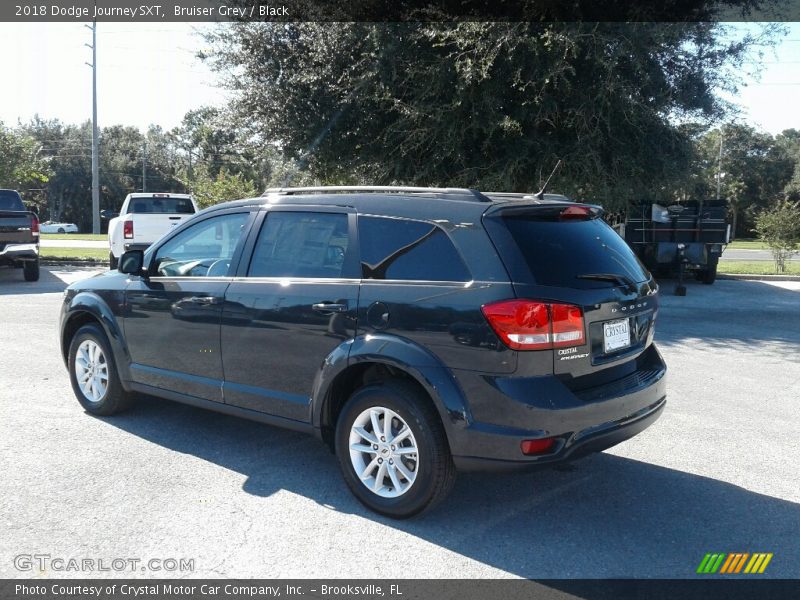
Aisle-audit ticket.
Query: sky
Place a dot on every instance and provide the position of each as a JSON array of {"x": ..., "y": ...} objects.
[{"x": 147, "y": 73}]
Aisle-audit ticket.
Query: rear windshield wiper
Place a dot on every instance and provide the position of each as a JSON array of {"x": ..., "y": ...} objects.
[{"x": 621, "y": 280}]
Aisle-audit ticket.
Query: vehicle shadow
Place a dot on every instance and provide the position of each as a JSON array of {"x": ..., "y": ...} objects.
[
  {"x": 605, "y": 516},
  {"x": 12, "y": 282},
  {"x": 730, "y": 312}
]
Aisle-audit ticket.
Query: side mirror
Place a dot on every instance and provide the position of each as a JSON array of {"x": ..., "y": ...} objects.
[{"x": 132, "y": 263}]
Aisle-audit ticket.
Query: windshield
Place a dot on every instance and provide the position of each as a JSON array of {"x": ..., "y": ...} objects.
[
  {"x": 563, "y": 253},
  {"x": 10, "y": 200}
]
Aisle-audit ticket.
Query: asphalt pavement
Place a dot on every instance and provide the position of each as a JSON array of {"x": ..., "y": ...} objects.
[
  {"x": 751, "y": 255},
  {"x": 717, "y": 473}
]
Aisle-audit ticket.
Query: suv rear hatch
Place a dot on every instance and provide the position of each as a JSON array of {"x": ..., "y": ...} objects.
[{"x": 578, "y": 281}]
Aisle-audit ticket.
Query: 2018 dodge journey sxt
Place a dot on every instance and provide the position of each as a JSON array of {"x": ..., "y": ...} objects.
[{"x": 415, "y": 331}]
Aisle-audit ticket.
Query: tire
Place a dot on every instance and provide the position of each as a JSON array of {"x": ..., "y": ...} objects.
[
  {"x": 113, "y": 261},
  {"x": 61, "y": 230},
  {"x": 31, "y": 270},
  {"x": 108, "y": 399},
  {"x": 426, "y": 475},
  {"x": 709, "y": 276}
]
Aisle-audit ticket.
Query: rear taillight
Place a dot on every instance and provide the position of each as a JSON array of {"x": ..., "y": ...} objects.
[
  {"x": 35, "y": 225},
  {"x": 579, "y": 213},
  {"x": 127, "y": 230},
  {"x": 532, "y": 325}
]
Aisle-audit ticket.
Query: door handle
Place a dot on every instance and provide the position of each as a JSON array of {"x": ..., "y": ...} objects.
[
  {"x": 333, "y": 307},
  {"x": 205, "y": 300}
]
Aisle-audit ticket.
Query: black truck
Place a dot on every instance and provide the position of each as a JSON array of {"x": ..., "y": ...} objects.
[
  {"x": 679, "y": 238},
  {"x": 19, "y": 235}
]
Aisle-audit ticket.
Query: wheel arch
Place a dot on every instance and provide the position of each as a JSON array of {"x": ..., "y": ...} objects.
[
  {"x": 376, "y": 358},
  {"x": 87, "y": 308}
]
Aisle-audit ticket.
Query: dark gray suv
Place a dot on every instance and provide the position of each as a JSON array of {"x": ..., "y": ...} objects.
[{"x": 415, "y": 331}]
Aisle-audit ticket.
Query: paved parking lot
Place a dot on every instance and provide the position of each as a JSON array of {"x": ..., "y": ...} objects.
[{"x": 717, "y": 473}]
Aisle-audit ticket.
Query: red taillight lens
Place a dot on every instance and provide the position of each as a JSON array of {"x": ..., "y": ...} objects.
[
  {"x": 34, "y": 225},
  {"x": 127, "y": 230},
  {"x": 537, "y": 446},
  {"x": 575, "y": 212},
  {"x": 567, "y": 321},
  {"x": 532, "y": 325}
]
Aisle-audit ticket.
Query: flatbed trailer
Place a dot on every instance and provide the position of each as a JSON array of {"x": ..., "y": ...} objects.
[{"x": 679, "y": 238}]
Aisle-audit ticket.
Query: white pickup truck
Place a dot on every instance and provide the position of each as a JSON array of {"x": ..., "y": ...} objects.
[{"x": 144, "y": 218}]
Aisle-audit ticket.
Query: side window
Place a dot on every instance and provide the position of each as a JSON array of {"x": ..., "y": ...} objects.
[
  {"x": 409, "y": 250},
  {"x": 203, "y": 250},
  {"x": 301, "y": 244}
]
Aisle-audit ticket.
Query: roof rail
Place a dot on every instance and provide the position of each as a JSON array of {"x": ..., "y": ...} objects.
[{"x": 460, "y": 193}]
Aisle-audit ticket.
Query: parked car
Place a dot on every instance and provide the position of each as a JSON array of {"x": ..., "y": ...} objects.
[
  {"x": 55, "y": 227},
  {"x": 415, "y": 331},
  {"x": 19, "y": 235},
  {"x": 144, "y": 218}
]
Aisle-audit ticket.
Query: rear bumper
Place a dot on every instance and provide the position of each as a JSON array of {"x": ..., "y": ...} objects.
[
  {"x": 141, "y": 247},
  {"x": 15, "y": 252},
  {"x": 581, "y": 423}
]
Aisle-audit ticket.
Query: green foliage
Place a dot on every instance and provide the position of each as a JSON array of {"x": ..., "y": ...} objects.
[
  {"x": 756, "y": 169},
  {"x": 21, "y": 164},
  {"x": 489, "y": 105},
  {"x": 208, "y": 189},
  {"x": 779, "y": 227}
]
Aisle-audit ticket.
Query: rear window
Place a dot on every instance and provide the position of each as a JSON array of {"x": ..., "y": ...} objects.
[
  {"x": 557, "y": 253},
  {"x": 10, "y": 201},
  {"x": 161, "y": 206}
]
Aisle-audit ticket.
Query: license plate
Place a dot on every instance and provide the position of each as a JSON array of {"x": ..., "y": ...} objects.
[{"x": 616, "y": 335}]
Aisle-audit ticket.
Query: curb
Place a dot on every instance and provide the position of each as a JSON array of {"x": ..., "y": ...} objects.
[
  {"x": 745, "y": 277},
  {"x": 73, "y": 262}
]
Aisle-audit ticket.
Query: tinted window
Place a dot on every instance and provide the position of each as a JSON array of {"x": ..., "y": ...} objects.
[
  {"x": 160, "y": 205},
  {"x": 10, "y": 201},
  {"x": 203, "y": 250},
  {"x": 557, "y": 252},
  {"x": 409, "y": 250},
  {"x": 301, "y": 244}
]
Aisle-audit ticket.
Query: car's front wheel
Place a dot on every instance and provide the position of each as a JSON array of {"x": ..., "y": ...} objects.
[
  {"x": 393, "y": 450},
  {"x": 93, "y": 373}
]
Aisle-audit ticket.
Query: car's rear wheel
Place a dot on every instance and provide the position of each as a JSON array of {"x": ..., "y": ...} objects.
[
  {"x": 393, "y": 450},
  {"x": 113, "y": 261},
  {"x": 61, "y": 230},
  {"x": 30, "y": 270},
  {"x": 93, "y": 373}
]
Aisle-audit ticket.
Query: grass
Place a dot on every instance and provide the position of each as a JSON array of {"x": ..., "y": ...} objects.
[
  {"x": 74, "y": 254},
  {"x": 756, "y": 267},
  {"x": 748, "y": 245},
  {"x": 94, "y": 237}
]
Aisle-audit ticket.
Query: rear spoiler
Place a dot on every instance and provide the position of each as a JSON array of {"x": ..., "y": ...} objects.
[{"x": 556, "y": 211}]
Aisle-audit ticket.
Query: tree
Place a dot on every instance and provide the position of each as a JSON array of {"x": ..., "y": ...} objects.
[
  {"x": 756, "y": 169},
  {"x": 491, "y": 105},
  {"x": 779, "y": 227},
  {"x": 208, "y": 190},
  {"x": 21, "y": 164}
]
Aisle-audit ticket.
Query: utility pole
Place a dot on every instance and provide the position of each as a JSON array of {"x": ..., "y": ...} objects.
[
  {"x": 144, "y": 166},
  {"x": 95, "y": 137},
  {"x": 719, "y": 166}
]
